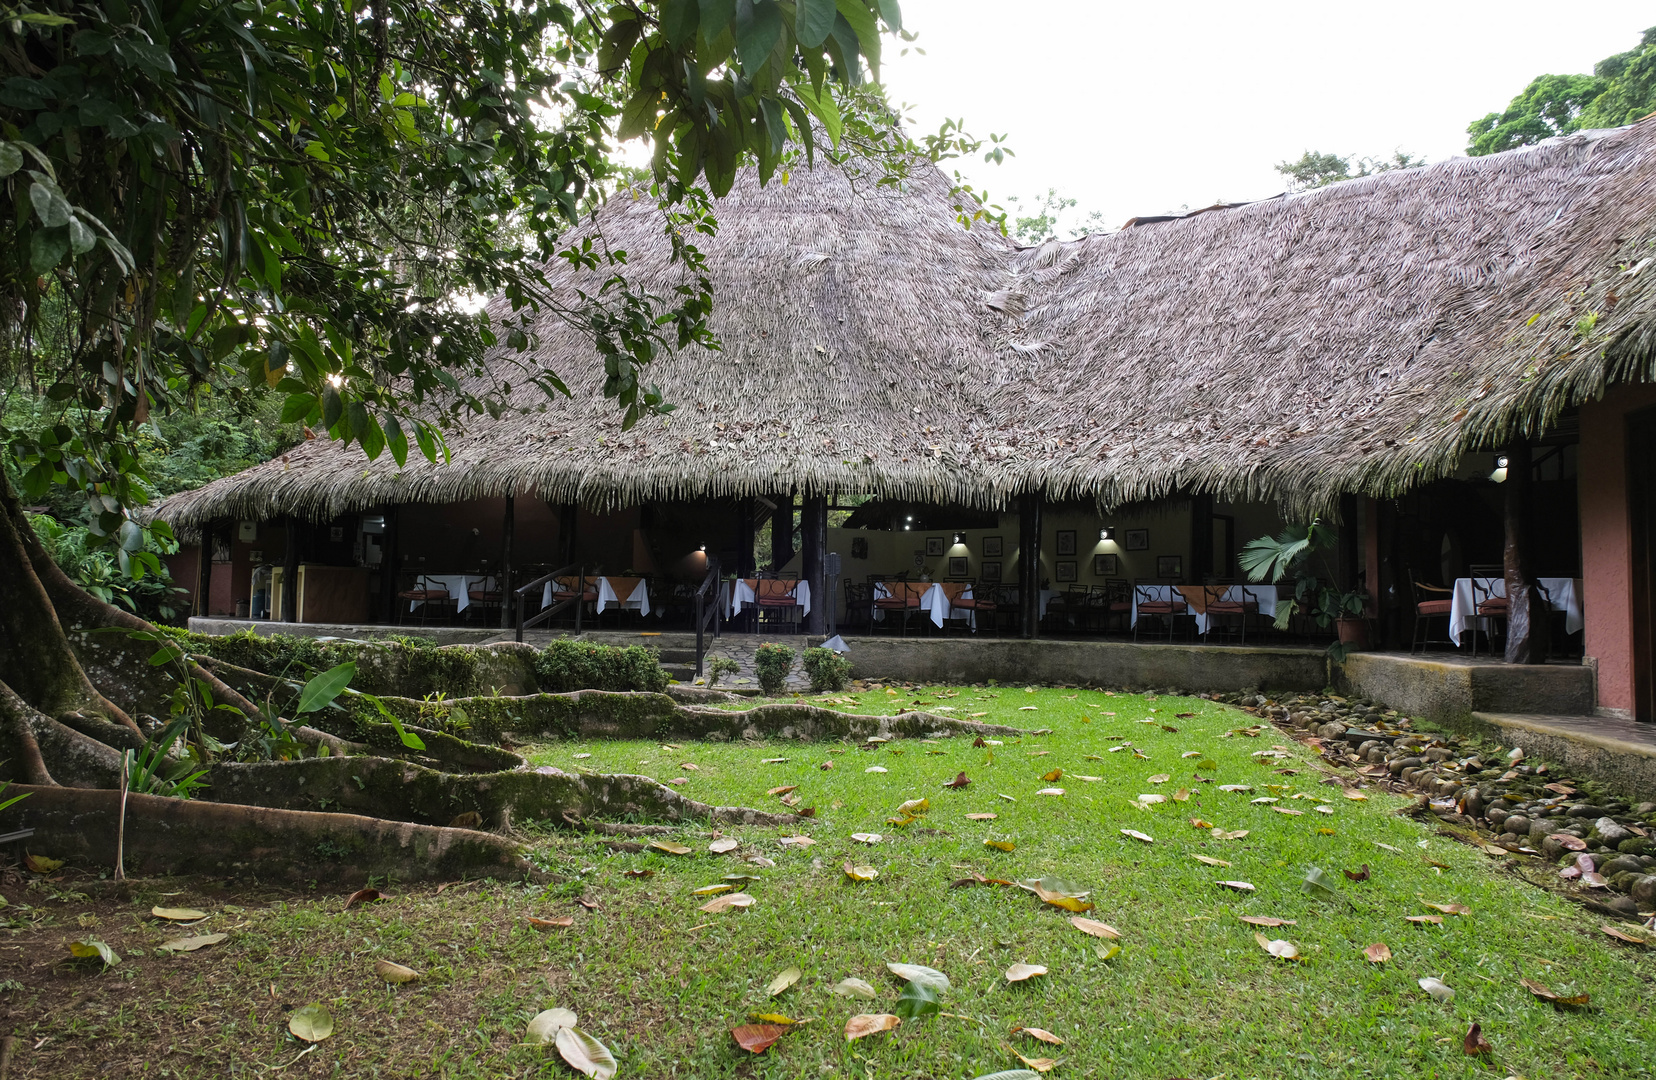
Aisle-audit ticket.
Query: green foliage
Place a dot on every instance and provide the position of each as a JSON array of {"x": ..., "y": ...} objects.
[
  {"x": 828, "y": 669},
  {"x": 1315, "y": 169},
  {"x": 1621, "y": 89},
  {"x": 720, "y": 666},
  {"x": 95, "y": 569},
  {"x": 1041, "y": 223},
  {"x": 292, "y": 656},
  {"x": 771, "y": 664},
  {"x": 1297, "y": 552},
  {"x": 150, "y": 772},
  {"x": 568, "y": 664}
]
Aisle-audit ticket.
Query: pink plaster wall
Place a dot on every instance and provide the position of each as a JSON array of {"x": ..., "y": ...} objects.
[{"x": 1606, "y": 551}]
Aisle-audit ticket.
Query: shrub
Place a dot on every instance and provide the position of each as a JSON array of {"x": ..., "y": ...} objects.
[
  {"x": 414, "y": 663},
  {"x": 827, "y": 668},
  {"x": 568, "y": 664},
  {"x": 720, "y": 666},
  {"x": 772, "y": 664}
]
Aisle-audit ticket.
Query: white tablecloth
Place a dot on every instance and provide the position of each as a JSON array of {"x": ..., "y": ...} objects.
[
  {"x": 459, "y": 586},
  {"x": 1564, "y": 594},
  {"x": 639, "y": 600},
  {"x": 733, "y": 595},
  {"x": 1264, "y": 595}
]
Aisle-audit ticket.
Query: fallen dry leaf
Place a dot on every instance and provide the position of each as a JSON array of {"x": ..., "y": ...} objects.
[
  {"x": 1439, "y": 990},
  {"x": 860, "y": 873},
  {"x": 727, "y": 902},
  {"x": 1628, "y": 938},
  {"x": 724, "y": 844},
  {"x": 1355, "y": 796},
  {"x": 866, "y": 837},
  {"x": 1282, "y": 950},
  {"x": 1267, "y": 920},
  {"x": 548, "y": 924},
  {"x": 1234, "y": 834},
  {"x": 690, "y": 767},
  {"x": 782, "y": 790},
  {"x": 1475, "y": 1045},
  {"x": 1357, "y": 875},
  {"x": 678, "y": 781},
  {"x": 1198, "y": 823},
  {"x": 712, "y": 890},
  {"x": 1435, "y": 920},
  {"x": 784, "y": 979},
  {"x": 1041, "y": 1065},
  {"x": 1209, "y": 860},
  {"x": 981, "y": 817},
  {"x": 1039, "y": 1033},
  {"x": 757, "y": 1038},
  {"x": 1239, "y": 886},
  {"x": 669, "y": 847},
  {"x": 1136, "y": 835},
  {"x": 1378, "y": 953},
  {"x": 191, "y": 944},
  {"x": 1020, "y": 972},
  {"x": 1160, "y": 778},
  {"x": 866, "y": 1024},
  {"x": 1555, "y": 999},
  {"x": 193, "y": 915},
  {"x": 1094, "y": 927},
  {"x": 394, "y": 973},
  {"x": 1449, "y": 909},
  {"x": 1050, "y": 791},
  {"x": 1055, "y": 774},
  {"x": 362, "y": 896},
  {"x": 958, "y": 782},
  {"x": 1000, "y": 845}
]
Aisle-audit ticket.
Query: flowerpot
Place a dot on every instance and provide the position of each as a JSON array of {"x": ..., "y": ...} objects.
[{"x": 1353, "y": 633}]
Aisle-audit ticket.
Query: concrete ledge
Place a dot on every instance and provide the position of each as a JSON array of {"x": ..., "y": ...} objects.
[
  {"x": 443, "y": 635},
  {"x": 1103, "y": 663},
  {"x": 1449, "y": 689},
  {"x": 1620, "y": 753}
]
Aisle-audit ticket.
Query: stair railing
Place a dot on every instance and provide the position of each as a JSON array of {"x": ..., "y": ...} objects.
[
  {"x": 707, "y": 610},
  {"x": 522, "y": 596}
]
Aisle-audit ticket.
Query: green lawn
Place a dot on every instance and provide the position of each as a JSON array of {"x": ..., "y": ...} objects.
[{"x": 1191, "y": 993}]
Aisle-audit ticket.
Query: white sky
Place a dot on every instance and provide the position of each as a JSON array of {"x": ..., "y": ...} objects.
[{"x": 1138, "y": 108}]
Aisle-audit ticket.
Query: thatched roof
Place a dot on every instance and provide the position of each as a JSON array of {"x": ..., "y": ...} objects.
[{"x": 1360, "y": 337}]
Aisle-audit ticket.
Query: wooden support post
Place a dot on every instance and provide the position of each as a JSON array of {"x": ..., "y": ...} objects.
[
  {"x": 1029, "y": 564},
  {"x": 782, "y": 530},
  {"x": 1201, "y": 537},
  {"x": 744, "y": 538},
  {"x": 1350, "y": 565},
  {"x": 813, "y": 526},
  {"x": 1529, "y": 626},
  {"x": 200, "y": 603},
  {"x": 504, "y": 585},
  {"x": 290, "y": 573},
  {"x": 567, "y": 515},
  {"x": 390, "y": 567}
]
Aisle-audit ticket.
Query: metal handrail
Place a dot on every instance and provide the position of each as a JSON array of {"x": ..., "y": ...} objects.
[
  {"x": 706, "y": 611},
  {"x": 546, "y": 613}
]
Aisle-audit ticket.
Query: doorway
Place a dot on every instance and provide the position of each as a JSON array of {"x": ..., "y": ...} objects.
[{"x": 1641, "y": 514}]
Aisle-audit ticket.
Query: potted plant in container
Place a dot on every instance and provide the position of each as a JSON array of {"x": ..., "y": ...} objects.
[{"x": 1297, "y": 554}]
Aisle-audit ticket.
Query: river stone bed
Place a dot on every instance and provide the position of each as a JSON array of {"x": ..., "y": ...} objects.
[{"x": 1605, "y": 844}]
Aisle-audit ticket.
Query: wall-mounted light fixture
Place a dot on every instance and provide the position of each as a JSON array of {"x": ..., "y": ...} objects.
[
  {"x": 1107, "y": 533},
  {"x": 1500, "y": 461},
  {"x": 702, "y": 548},
  {"x": 960, "y": 538}
]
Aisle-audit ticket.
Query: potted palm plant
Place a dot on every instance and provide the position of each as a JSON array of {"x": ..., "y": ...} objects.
[{"x": 1297, "y": 554}]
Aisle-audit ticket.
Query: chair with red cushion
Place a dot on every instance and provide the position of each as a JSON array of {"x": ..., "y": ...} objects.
[
  {"x": 1219, "y": 607},
  {"x": 1430, "y": 602},
  {"x": 429, "y": 595},
  {"x": 983, "y": 607},
  {"x": 484, "y": 600},
  {"x": 1151, "y": 603},
  {"x": 778, "y": 601},
  {"x": 902, "y": 599}
]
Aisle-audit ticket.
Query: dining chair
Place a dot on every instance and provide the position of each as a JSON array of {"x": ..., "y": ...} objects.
[
  {"x": 1218, "y": 606},
  {"x": 429, "y": 595},
  {"x": 902, "y": 599},
  {"x": 1491, "y": 609},
  {"x": 564, "y": 589},
  {"x": 1149, "y": 592},
  {"x": 778, "y": 602},
  {"x": 485, "y": 600},
  {"x": 1430, "y": 602},
  {"x": 978, "y": 607},
  {"x": 859, "y": 604}
]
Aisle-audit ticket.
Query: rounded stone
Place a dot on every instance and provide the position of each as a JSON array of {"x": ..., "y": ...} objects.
[
  {"x": 1517, "y": 824},
  {"x": 1586, "y": 810},
  {"x": 1539, "y": 830},
  {"x": 1611, "y": 832},
  {"x": 1472, "y": 802},
  {"x": 1624, "y": 881},
  {"x": 1399, "y": 764},
  {"x": 1624, "y": 904},
  {"x": 1621, "y": 864},
  {"x": 1552, "y": 850},
  {"x": 1497, "y": 814}
]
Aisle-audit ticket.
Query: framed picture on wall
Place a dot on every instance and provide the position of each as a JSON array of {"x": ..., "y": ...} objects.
[
  {"x": 1169, "y": 566},
  {"x": 1135, "y": 539},
  {"x": 920, "y": 559},
  {"x": 934, "y": 547},
  {"x": 957, "y": 566},
  {"x": 1106, "y": 565},
  {"x": 991, "y": 547},
  {"x": 1066, "y": 542},
  {"x": 990, "y": 572},
  {"x": 1064, "y": 570},
  {"x": 859, "y": 547}
]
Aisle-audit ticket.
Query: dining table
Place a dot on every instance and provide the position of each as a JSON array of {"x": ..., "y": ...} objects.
[
  {"x": 738, "y": 593},
  {"x": 459, "y": 587},
  {"x": 628, "y": 593},
  {"x": 1194, "y": 597},
  {"x": 1563, "y": 594}
]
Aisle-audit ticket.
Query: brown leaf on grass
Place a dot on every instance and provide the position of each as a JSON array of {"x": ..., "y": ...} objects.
[
  {"x": 362, "y": 896},
  {"x": 826, "y": 765},
  {"x": 981, "y": 817},
  {"x": 1095, "y": 928},
  {"x": 590, "y": 905},
  {"x": 1160, "y": 778},
  {"x": 1267, "y": 920},
  {"x": 1183, "y": 715},
  {"x": 1568, "y": 842},
  {"x": 637, "y": 873},
  {"x": 1435, "y": 920},
  {"x": 1282, "y": 950},
  {"x": 678, "y": 781},
  {"x": 1039, "y": 1033},
  {"x": 1000, "y": 845},
  {"x": 1181, "y": 795},
  {"x": 1209, "y": 860},
  {"x": 1170, "y": 727},
  {"x": 1062, "y": 900},
  {"x": 975, "y": 879},
  {"x": 1238, "y": 886},
  {"x": 1198, "y": 823},
  {"x": 860, "y": 873},
  {"x": 726, "y": 902},
  {"x": 550, "y": 924},
  {"x": 1021, "y": 972},
  {"x": 960, "y": 780},
  {"x": 1449, "y": 909},
  {"x": 978, "y": 742},
  {"x": 790, "y": 799},
  {"x": 1551, "y": 998},
  {"x": 757, "y": 1038},
  {"x": 394, "y": 973},
  {"x": 1234, "y": 834},
  {"x": 1055, "y": 774},
  {"x": 1355, "y": 796},
  {"x": 796, "y": 841},
  {"x": 805, "y": 811},
  {"x": 1378, "y": 953},
  {"x": 783, "y": 790},
  {"x": 723, "y": 845},
  {"x": 1136, "y": 835},
  {"x": 1628, "y": 938},
  {"x": 1290, "y": 813},
  {"x": 866, "y": 1024},
  {"x": 40, "y": 864},
  {"x": 690, "y": 766},
  {"x": 1475, "y": 1045},
  {"x": 1357, "y": 875},
  {"x": 1041, "y": 1065},
  {"x": 669, "y": 847}
]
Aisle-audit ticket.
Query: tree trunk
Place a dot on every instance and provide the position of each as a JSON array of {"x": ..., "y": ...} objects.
[{"x": 1529, "y": 625}]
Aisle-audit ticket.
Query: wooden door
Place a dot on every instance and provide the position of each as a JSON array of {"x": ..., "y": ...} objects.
[{"x": 1641, "y": 499}]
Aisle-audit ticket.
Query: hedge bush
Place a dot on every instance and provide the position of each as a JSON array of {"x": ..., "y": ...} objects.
[
  {"x": 567, "y": 664},
  {"x": 772, "y": 664},
  {"x": 720, "y": 666},
  {"x": 828, "y": 669}
]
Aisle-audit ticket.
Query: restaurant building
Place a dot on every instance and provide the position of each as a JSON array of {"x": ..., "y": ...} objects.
[{"x": 1455, "y": 362}]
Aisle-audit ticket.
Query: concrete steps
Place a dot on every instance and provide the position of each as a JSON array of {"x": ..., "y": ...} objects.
[{"x": 1621, "y": 753}]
